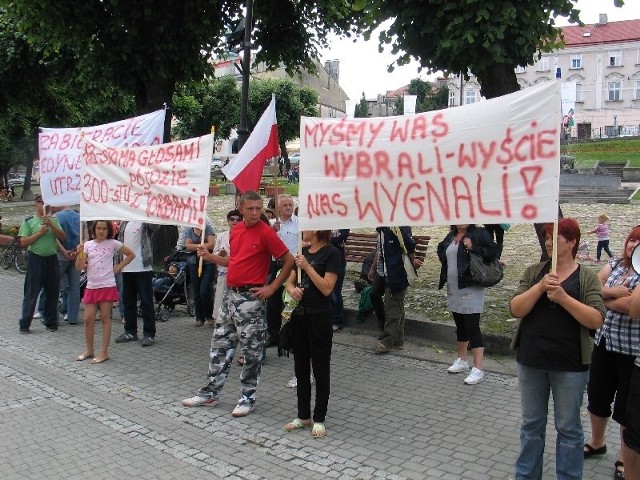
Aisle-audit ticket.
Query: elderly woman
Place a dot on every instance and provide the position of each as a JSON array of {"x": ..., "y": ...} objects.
[
  {"x": 617, "y": 345},
  {"x": 557, "y": 310},
  {"x": 311, "y": 331}
]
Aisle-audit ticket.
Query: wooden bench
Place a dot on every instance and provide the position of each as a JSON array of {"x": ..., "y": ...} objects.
[{"x": 359, "y": 245}]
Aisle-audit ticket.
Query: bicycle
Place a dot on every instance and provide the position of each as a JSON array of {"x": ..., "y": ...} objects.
[{"x": 14, "y": 254}]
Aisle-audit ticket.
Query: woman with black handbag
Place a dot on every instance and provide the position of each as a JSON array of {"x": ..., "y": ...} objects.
[
  {"x": 465, "y": 298},
  {"x": 310, "y": 328}
]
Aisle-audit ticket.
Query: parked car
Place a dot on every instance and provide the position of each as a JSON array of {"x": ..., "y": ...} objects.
[
  {"x": 17, "y": 180},
  {"x": 294, "y": 158},
  {"x": 217, "y": 163}
]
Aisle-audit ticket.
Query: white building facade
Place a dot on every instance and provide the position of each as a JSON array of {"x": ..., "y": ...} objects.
[{"x": 603, "y": 59}]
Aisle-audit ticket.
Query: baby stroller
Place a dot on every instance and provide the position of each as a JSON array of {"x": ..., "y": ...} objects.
[{"x": 171, "y": 287}]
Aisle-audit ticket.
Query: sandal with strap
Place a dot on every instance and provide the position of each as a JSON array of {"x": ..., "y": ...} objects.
[
  {"x": 318, "y": 430},
  {"x": 296, "y": 424},
  {"x": 590, "y": 451},
  {"x": 618, "y": 474}
]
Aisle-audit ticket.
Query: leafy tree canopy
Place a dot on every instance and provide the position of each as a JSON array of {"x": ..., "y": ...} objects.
[
  {"x": 362, "y": 108},
  {"x": 146, "y": 47},
  {"x": 200, "y": 105},
  {"x": 489, "y": 38},
  {"x": 217, "y": 102},
  {"x": 292, "y": 102}
]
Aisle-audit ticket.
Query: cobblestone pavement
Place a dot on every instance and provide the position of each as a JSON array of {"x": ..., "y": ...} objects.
[{"x": 390, "y": 417}]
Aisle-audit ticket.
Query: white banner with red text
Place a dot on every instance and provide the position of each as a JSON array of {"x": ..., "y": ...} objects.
[
  {"x": 165, "y": 184},
  {"x": 495, "y": 161},
  {"x": 60, "y": 150}
]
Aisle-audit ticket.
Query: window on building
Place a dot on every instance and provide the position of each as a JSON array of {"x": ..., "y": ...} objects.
[
  {"x": 615, "y": 58},
  {"x": 519, "y": 69},
  {"x": 543, "y": 64},
  {"x": 614, "y": 90},
  {"x": 576, "y": 61},
  {"x": 578, "y": 92},
  {"x": 636, "y": 90},
  {"x": 452, "y": 97},
  {"x": 469, "y": 96}
]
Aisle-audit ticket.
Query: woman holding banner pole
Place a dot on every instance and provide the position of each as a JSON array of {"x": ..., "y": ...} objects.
[
  {"x": 311, "y": 333},
  {"x": 201, "y": 278},
  {"x": 558, "y": 302}
]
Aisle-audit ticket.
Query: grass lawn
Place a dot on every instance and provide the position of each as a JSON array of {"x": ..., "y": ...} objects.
[{"x": 604, "y": 151}]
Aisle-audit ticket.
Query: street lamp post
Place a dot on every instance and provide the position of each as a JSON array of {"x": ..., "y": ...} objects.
[{"x": 243, "y": 130}]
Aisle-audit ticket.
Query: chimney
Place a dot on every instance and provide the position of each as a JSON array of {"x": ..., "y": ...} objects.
[{"x": 603, "y": 19}]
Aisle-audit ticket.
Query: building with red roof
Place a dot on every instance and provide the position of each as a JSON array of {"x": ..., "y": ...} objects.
[{"x": 603, "y": 59}]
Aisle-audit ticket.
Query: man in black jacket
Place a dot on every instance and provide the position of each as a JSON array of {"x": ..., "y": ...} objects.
[{"x": 389, "y": 276}]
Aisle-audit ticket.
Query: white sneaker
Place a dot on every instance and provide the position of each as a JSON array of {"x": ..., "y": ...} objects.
[
  {"x": 459, "y": 366},
  {"x": 37, "y": 315},
  {"x": 242, "y": 410},
  {"x": 199, "y": 402},
  {"x": 476, "y": 376},
  {"x": 293, "y": 383}
]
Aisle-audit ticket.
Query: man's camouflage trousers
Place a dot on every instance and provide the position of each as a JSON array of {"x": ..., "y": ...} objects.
[{"x": 241, "y": 320}]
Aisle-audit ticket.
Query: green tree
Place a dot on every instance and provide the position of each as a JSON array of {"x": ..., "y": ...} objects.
[
  {"x": 149, "y": 46},
  {"x": 292, "y": 102},
  {"x": 362, "y": 108},
  {"x": 200, "y": 105},
  {"x": 36, "y": 90},
  {"x": 488, "y": 38},
  {"x": 217, "y": 102},
  {"x": 429, "y": 96}
]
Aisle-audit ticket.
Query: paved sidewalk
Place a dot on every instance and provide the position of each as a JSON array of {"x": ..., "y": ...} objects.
[{"x": 390, "y": 417}]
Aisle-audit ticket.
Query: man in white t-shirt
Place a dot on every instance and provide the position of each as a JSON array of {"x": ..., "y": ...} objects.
[
  {"x": 286, "y": 225},
  {"x": 137, "y": 282},
  {"x": 222, "y": 248}
]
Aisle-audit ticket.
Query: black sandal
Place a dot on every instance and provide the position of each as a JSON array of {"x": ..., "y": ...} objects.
[
  {"x": 617, "y": 473},
  {"x": 590, "y": 451}
]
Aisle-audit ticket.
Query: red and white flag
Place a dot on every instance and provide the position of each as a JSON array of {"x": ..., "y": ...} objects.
[{"x": 245, "y": 170}]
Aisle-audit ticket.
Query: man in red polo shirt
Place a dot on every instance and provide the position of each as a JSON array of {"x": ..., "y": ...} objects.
[{"x": 242, "y": 313}]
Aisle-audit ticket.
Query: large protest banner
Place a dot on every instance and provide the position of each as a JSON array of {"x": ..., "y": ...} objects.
[
  {"x": 491, "y": 162},
  {"x": 166, "y": 184},
  {"x": 60, "y": 150}
]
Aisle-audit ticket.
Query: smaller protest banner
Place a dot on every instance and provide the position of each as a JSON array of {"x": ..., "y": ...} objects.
[
  {"x": 60, "y": 150},
  {"x": 166, "y": 184}
]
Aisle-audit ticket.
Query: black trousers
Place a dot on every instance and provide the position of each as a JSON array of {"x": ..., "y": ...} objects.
[
  {"x": 274, "y": 307},
  {"x": 312, "y": 340},
  {"x": 376, "y": 294}
]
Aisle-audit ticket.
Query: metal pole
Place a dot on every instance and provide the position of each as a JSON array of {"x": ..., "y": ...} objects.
[{"x": 243, "y": 131}]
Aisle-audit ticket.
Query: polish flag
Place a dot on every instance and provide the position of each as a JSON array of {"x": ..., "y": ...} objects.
[{"x": 245, "y": 170}]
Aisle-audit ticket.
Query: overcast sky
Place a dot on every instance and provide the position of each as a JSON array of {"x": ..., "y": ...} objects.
[{"x": 364, "y": 69}]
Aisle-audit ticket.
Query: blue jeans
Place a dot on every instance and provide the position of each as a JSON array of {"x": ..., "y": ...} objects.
[
  {"x": 337, "y": 303},
  {"x": 120, "y": 302},
  {"x": 71, "y": 276},
  {"x": 567, "y": 389},
  {"x": 202, "y": 289},
  {"x": 138, "y": 285}
]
